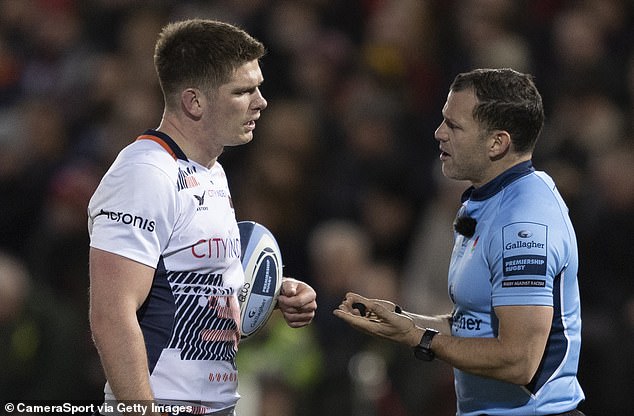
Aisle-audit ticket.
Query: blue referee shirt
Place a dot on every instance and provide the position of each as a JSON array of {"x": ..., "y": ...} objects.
[{"x": 523, "y": 252}]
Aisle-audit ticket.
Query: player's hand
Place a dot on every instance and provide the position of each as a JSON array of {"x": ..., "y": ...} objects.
[
  {"x": 380, "y": 319},
  {"x": 297, "y": 302}
]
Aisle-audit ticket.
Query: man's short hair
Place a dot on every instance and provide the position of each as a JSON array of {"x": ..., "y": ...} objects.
[
  {"x": 507, "y": 100},
  {"x": 202, "y": 54}
]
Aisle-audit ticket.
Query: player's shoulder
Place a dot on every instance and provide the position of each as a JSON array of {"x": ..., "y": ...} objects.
[
  {"x": 142, "y": 166},
  {"x": 145, "y": 158},
  {"x": 147, "y": 152}
]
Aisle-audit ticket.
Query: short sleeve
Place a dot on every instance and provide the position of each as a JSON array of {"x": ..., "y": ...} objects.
[
  {"x": 132, "y": 212},
  {"x": 520, "y": 275}
]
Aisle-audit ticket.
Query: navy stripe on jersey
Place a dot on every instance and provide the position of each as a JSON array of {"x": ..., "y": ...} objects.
[
  {"x": 556, "y": 346},
  {"x": 156, "y": 316},
  {"x": 169, "y": 141},
  {"x": 496, "y": 185},
  {"x": 186, "y": 178},
  {"x": 206, "y": 325}
]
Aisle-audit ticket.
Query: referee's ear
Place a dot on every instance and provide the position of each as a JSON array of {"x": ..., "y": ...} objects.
[{"x": 499, "y": 144}]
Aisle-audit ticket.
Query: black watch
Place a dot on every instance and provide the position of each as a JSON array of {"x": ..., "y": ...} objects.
[{"x": 423, "y": 350}]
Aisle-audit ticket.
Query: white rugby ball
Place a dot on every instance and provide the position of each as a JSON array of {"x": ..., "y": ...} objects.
[{"x": 262, "y": 264}]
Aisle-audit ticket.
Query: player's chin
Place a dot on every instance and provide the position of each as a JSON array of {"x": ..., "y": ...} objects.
[
  {"x": 247, "y": 137},
  {"x": 241, "y": 139}
]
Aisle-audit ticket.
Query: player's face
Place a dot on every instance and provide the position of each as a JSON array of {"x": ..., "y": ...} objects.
[
  {"x": 463, "y": 148},
  {"x": 235, "y": 107}
]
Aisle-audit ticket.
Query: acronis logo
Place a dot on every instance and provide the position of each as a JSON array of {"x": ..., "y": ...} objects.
[{"x": 129, "y": 219}]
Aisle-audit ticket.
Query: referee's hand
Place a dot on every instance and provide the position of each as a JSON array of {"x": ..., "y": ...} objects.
[{"x": 380, "y": 319}]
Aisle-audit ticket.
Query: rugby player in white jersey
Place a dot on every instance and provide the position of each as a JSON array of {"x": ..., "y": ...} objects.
[{"x": 165, "y": 250}]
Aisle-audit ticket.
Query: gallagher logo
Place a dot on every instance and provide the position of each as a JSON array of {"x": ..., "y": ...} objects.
[
  {"x": 524, "y": 234},
  {"x": 524, "y": 244}
]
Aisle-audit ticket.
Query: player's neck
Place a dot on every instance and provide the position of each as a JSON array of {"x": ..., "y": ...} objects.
[{"x": 193, "y": 145}]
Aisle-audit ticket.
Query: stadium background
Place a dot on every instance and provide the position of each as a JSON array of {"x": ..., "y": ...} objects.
[{"x": 343, "y": 169}]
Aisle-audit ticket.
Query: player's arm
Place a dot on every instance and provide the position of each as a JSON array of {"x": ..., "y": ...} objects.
[
  {"x": 118, "y": 287},
  {"x": 513, "y": 356}
]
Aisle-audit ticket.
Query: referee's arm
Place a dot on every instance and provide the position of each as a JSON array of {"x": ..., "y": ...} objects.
[{"x": 513, "y": 356}]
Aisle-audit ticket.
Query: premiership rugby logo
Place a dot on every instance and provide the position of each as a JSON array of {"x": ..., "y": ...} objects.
[{"x": 524, "y": 251}]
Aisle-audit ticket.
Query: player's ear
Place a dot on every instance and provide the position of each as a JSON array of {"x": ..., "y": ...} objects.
[
  {"x": 500, "y": 143},
  {"x": 192, "y": 101}
]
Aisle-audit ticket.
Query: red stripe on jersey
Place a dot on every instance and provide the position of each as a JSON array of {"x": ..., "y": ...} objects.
[{"x": 160, "y": 141}]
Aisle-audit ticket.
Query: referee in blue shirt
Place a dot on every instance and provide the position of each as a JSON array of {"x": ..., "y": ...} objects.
[{"x": 514, "y": 335}]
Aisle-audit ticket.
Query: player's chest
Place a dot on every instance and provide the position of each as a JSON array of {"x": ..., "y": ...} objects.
[{"x": 205, "y": 223}]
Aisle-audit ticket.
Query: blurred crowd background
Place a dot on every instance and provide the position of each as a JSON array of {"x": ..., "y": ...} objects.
[{"x": 343, "y": 169}]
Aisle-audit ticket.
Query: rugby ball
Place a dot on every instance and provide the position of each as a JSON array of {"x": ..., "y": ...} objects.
[{"x": 262, "y": 263}]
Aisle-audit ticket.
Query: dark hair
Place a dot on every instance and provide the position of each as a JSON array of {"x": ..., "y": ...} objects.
[
  {"x": 507, "y": 100},
  {"x": 202, "y": 54}
]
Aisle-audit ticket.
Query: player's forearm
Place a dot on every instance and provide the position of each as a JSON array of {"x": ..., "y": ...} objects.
[{"x": 123, "y": 357}]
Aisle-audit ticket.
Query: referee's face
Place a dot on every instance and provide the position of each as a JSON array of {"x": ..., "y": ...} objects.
[
  {"x": 463, "y": 147},
  {"x": 236, "y": 106}
]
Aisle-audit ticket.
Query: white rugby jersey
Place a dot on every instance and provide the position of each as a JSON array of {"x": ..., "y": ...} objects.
[
  {"x": 523, "y": 252},
  {"x": 158, "y": 208}
]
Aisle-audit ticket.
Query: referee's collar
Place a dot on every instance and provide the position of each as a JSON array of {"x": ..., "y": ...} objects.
[{"x": 499, "y": 182}]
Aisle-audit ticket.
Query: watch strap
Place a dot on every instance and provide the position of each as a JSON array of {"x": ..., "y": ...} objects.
[{"x": 423, "y": 350}]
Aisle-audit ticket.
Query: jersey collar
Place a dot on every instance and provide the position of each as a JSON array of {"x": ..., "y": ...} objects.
[
  {"x": 165, "y": 141},
  {"x": 499, "y": 182}
]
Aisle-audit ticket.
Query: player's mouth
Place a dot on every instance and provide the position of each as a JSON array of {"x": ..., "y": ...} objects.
[
  {"x": 444, "y": 155},
  {"x": 250, "y": 125}
]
